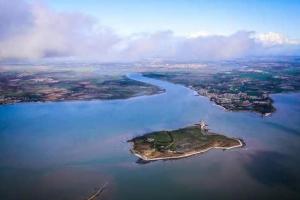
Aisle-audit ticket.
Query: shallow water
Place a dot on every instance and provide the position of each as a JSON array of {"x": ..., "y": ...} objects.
[{"x": 65, "y": 150}]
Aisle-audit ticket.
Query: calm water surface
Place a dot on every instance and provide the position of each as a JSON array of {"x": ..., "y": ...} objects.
[{"x": 66, "y": 150}]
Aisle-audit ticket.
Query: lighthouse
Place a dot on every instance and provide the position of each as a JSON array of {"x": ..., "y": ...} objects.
[{"x": 203, "y": 126}]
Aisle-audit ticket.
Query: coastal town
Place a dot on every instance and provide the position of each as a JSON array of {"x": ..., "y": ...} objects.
[{"x": 243, "y": 89}]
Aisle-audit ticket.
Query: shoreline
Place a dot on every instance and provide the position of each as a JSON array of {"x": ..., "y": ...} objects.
[
  {"x": 241, "y": 144},
  {"x": 82, "y": 100}
]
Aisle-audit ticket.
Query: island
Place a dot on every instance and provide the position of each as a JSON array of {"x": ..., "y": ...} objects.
[{"x": 180, "y": 143}]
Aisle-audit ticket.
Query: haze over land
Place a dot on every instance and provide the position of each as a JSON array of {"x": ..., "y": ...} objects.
[{"x": 31, "y": 30}]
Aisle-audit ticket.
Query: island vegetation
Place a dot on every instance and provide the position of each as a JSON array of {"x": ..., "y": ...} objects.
[{"x": 180, "y": 143}]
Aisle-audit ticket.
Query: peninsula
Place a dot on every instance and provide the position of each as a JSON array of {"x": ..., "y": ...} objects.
[
  {"x": 55, "y": 85},
  {"x": 247, "y": 87},
  {"x": 180, "y": 143}
]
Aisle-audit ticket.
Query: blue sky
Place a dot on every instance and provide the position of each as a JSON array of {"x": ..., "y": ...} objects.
[
  {"x": 114, "y": 30},
  {"x": 188, "y": 16}
]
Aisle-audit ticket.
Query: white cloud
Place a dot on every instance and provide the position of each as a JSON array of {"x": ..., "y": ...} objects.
[
  {"x": 15, "y": 17},
  {"x": 198, "y": 34},
  {"x": 34, "y": 31},
  {"x": 50, "y": 33},
  {"x": 272, "y": 38}
]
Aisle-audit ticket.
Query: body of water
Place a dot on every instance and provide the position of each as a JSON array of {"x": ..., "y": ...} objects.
[{"x": 65, "y": 150}]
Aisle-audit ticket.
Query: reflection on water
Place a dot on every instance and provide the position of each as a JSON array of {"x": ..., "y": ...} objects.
[{"x": 66, "y": 150}]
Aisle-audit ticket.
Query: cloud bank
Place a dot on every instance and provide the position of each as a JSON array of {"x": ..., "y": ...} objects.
[{"x": 34, "y": 31}]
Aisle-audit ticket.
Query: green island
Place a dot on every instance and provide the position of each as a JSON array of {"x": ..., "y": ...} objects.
[{"x": 180, "y": 143}]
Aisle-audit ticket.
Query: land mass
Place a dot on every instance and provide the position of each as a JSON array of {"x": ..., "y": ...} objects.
[
  {"x": 66, "y": 85},
  {"x": 180, "y": 143},
  {"x": 241, "y": 89}
]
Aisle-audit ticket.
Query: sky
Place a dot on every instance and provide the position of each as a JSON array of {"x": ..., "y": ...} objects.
[
  {"x": 186, "y": 17},
  {"x": 132, "y": 30}
]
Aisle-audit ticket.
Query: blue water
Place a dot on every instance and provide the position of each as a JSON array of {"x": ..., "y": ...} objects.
[{"x": 64, "y": 150}]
